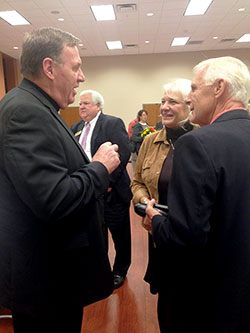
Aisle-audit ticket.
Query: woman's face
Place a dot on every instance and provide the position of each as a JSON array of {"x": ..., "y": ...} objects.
[
  {"x": 173, "y": 109},
  {"x": 144, "y": 117}
]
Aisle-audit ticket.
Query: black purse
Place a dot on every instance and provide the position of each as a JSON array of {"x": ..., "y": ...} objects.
[{"x": 140, "y": 209}]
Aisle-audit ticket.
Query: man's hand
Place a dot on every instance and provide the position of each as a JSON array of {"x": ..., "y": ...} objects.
[
  {"x": 151, "y": 212},
  {"x": 107, "y": 154},
  {"x": 147, "y": 224}
]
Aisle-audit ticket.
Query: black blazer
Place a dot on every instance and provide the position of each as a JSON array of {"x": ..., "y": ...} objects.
[
  {"x": 51, "y": 209},
  {"x": 209, "y": 215},
  {"x": 110, "y": 128}
]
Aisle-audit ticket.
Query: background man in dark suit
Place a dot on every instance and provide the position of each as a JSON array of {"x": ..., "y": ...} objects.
[
  {"x": 117, "y": 199},
  {"x": 53, "y": 259},
  {"x": 159, "y": 125},
  {"x": 209, "y": 211}
]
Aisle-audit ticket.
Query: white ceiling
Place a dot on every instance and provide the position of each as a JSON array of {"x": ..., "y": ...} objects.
[{"x": 222, "y": 19}]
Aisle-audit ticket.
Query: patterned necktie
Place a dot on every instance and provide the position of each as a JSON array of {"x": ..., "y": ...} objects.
[{"x": 84, "y": 138}]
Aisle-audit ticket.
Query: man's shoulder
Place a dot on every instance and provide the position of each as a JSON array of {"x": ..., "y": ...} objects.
[
  {"x": 23, "y": 96},
  {"x": 76, "y": 126},
  {"x": 20, "y": 91},
  {"x": 208, "y": 135},
  {"x": 109, "y": 118}
]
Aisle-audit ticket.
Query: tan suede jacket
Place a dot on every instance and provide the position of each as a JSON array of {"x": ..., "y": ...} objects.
[{"x": 152, "y": 154}]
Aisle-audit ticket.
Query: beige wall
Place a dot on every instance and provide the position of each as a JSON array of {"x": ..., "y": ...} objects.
[{"x": 127, "y": 82}]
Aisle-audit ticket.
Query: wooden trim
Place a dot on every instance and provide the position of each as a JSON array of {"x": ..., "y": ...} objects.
[{"x": 2, "y": 83}]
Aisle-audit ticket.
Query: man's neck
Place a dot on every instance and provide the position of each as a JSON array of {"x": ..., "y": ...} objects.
[
  {"x": 224, "y": 106},
  {"x": 227, "y": 107}
]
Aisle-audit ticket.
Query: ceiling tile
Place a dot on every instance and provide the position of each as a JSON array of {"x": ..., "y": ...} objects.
[{"x": 222, "y": 19}]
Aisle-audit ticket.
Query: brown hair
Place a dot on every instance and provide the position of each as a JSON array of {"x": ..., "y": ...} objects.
[{"x": 40, "y": 44}]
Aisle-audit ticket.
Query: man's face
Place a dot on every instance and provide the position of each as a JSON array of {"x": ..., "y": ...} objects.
[
  {"x": 67, "y": 77},
  {"x": 201, "y": 100},
  {"x": 87, "y": 109}
]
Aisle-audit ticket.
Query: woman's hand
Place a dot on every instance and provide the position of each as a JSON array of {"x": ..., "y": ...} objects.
[{"x": 144, "y": 200}]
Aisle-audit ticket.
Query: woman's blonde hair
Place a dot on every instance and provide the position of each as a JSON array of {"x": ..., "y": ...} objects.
[{"x": 182, "y": 86}]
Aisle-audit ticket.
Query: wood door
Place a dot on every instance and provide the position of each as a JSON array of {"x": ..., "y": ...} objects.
[
  {"x": 70, "y": 115},
  {"x": 153, "y": 113},
  {"x": 9, "y": 74}
]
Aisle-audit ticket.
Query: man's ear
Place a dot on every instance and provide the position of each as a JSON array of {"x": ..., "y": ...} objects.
[
  {"x": 48, "y": 68},
  {"x": 220, "y": 86}
]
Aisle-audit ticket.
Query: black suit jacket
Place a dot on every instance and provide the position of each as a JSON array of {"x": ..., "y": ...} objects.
[
  {"x": 51, "y": 209},
  {"x": 110, "y": 128},
  {"x": 209, "y": 215}
]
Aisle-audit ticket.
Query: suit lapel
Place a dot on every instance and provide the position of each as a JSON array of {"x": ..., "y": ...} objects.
[
  {"x": 95, "y": 133},
  {"x": 79, "y": 130}
]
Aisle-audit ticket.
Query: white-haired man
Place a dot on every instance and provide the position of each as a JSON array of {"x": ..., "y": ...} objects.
[
  {"x": 209, "y": 207},
  {"x": 117, "y": 199}
]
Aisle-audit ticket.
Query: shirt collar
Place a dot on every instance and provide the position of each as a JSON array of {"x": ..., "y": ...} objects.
[{"x": 94, "y": 120}]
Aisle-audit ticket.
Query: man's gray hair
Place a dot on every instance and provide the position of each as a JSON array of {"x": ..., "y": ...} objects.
[
  {"x": 96, "y": 97},
  {"x": 233, "y": 71},
  {"x": 40, "y": 44}
]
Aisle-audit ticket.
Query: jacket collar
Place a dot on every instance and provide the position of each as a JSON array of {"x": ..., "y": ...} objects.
[
  {"x": 232, "y": 114},
  {"x": 40, "y": 94},
  {"x": 161, "y": 136}
]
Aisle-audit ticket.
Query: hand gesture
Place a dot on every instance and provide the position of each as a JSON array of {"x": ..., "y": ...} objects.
[{"x": 107, "y": 154}]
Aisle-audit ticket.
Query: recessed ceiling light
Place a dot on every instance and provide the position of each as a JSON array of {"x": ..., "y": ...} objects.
[
  {"x": 60, "y": 19},
  {"x": 13, "y": 18},
  {"x": 114, "y": 45},
  {"x": 146, "y": 41},
  {"x": 15, "y": 47},
  {"x": 80, "y": 44},
  {"x": 150, "y": 14},
  {"x": 197, "y": 7},
  {"x": 244, "y": 39},
  {"x": 215, "y": 37},
  {"x": 178, "y": 41},
  {"x": 241, "y": 9},
  {"x": 103, "y": 12}
]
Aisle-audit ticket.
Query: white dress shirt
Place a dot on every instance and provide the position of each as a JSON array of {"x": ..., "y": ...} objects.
[{"x": 92, "y": 127}]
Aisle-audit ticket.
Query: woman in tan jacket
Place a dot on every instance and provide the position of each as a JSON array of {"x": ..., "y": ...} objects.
[{"x": 153, "y": 171}]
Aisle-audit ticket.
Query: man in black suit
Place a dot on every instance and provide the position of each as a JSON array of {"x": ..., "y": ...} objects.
[
  {"x": 53, "y": 259},
  {"x": 117, "y": 199},
  {"x": 208, "y": 222}
]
